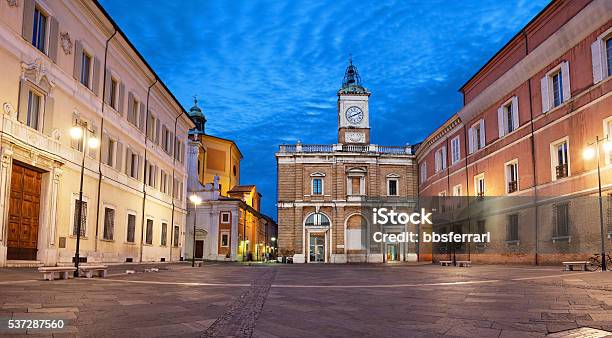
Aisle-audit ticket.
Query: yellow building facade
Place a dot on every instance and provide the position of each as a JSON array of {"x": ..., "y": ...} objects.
[{"x": 67, "y": 64}]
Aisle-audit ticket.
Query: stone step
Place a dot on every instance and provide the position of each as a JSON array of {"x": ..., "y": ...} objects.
[{"x": 23, "y": 264}]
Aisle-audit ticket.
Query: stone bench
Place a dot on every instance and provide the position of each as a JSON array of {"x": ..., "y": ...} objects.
[
  {"x": 466, "y": 264},
  {"x": 88, "y": 271},
  {"x": 446, "y": 263},
  {"x": 569, "y": 266},
  {"x": 62, "y": 271}
]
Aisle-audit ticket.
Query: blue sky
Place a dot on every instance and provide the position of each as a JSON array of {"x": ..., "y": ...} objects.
[{"x": 267, "y": 72}]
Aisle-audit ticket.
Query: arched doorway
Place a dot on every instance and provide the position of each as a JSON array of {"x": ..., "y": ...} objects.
[{"x": 317, "y": 242}]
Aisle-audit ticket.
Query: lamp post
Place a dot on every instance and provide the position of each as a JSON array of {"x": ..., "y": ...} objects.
[
  {"x": 273, "y": 246},
  {"x": 588, "y": 154},
  {"x": 196, "y": 200},
  {"x": 80, "y": 132}
]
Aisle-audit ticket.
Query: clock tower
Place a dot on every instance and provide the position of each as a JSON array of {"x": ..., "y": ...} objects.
[{"x": 353, "y": 112}]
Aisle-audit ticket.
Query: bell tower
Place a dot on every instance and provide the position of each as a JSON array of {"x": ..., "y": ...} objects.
[{"x": 353, "y": 112}]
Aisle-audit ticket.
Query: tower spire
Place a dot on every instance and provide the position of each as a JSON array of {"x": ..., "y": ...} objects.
[{"x": 351, "y": 83}]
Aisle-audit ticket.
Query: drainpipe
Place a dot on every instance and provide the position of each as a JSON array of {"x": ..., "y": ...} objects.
[
  {"x": 144, "y": 176},
  {"x": 172, "y": 194},
  {"x": 467, "y": 188},
  {"x": 533, "y": 157},
  {"x": 101, "y": 133}
]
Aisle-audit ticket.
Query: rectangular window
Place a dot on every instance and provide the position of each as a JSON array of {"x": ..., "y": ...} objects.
[
  {"x": 561, "y": 213},
  {"x": 225, "y": 217},
  {"x": 86, "y": 69},
  {"x": 423, "y": 173},
  {"x": 479, "y": 183},
  {"x": 457, "y": 190},
  {"x": 512, "y": 230},
  {"x": 455, "y": 150},
  {"x": 557, "y": 86},
  {"x": 317, "y": 186},
  {"x": 224, "y": 239},
  {"x": 114, "y": 89},
  {"x": 480, "y": 227},
  {"x": 392, "y": 187},
  {"x": 109, "y": 223},
  {"x": 512, "y": 177},
  {"x": 561, "y": 160},
  {"x": 34, "y": 105},
  {"x": 133, "y": 112},
  {"x": 164, "y": 234},
  {"x": 477, "y": 137},
  {"x": 149, "y": 234},
  {"x": 176, "y": 235},
  {"x": 134, "y": 166},
  {"x": 39, "y": 31},
  {"x": 151, "y": 127},
  {"x": 151, "y": 174},
  {"x": 440, "y": 159},
  {"x": 75, "y": 223},
  {"x": 355, "y": 185},
  {"x": 110, "y": 159},
  {"x": 131, "y": 228}
]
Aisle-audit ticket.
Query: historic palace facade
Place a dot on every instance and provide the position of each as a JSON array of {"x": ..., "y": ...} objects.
[
  {"x": 535, "y": 126},
  {"x": 325, "y": 192},
  {"x": 66, "y": 64}
]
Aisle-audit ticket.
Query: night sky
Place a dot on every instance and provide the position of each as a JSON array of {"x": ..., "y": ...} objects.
[{"x": 267, "y": 72}]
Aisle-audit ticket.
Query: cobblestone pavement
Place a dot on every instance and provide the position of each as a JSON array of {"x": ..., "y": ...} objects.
[{"x": 225, "y": 299}]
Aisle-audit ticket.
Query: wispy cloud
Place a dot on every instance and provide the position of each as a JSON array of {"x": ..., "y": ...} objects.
[{"x": 267, "y": 72}]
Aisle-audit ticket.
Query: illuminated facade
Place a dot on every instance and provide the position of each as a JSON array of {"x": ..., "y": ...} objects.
[
  {"x": 228, "y": 222},
  {"x": 66, "y": 63},
  {"x": 529, "y": 114},
  {"x": 325, "y": 191}
]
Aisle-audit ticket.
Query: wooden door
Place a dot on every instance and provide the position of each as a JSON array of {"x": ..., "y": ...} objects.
[{"x": 24, "y": 210}]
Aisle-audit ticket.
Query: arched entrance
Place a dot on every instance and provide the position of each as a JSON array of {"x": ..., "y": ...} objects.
[{"x": 316, "y": 227}]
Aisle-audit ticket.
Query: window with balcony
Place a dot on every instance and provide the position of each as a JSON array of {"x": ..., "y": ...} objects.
[
  {"x": 34, "y": 109},
  {"x": 512, "y": 176},
  {"x": 560, "y": 159},
  {"x": 479, "y": 184},
  {"x": 455, "y": 150}
]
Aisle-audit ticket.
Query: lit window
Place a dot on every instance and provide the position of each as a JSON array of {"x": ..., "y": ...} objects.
[
  {"x": 511, "y": 177},
  {"x": 39, "y": 31},
  {"x": 457, "y": 190},
  {"x": 479, "y": 183},
  {"x": 560, "y": 159}
]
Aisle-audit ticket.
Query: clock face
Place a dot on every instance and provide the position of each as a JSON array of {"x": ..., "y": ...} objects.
[{"x": 354, "y": 115}]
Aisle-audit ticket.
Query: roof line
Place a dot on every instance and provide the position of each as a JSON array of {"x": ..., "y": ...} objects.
[
  {"x": 120, "y": 31},
  {"x": 537, "y": 16}
]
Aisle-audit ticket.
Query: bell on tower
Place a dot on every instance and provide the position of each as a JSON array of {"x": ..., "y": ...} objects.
[
  {"x": 198, "y": 117},
  {"x": 353, "y": 119}
]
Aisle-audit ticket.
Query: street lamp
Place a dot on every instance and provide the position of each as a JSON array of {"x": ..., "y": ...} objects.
[
  {"x": 196, "y": 200},
  {"x": 587, "y": 154},
  {"x": 81, "y": 132}
]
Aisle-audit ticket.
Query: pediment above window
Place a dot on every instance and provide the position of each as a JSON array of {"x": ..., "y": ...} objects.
[
  {"x": 356, "y": 172},
  {"x": 393, "y": 175},
  {"x": 317, "y": 174}
]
